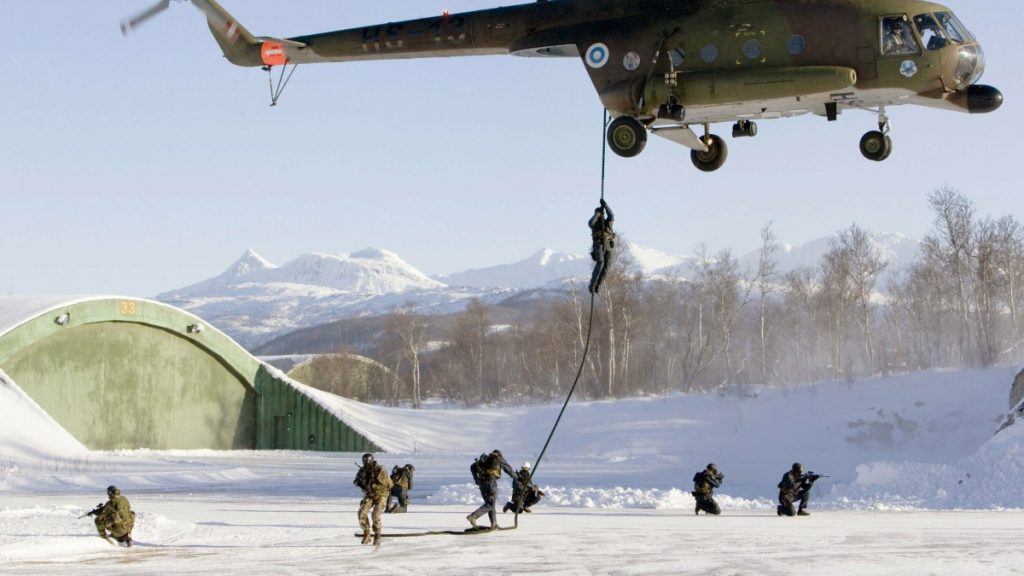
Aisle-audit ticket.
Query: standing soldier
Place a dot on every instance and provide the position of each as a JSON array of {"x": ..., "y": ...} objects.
[
  {"x": 486, "y": 471},
  {"x": 376, "y": 487},
  {"x": 704, "y": 484},
  {"x": 602, "y": 250},
  {"x": 795, "y": 487},
  {"x": 401, "y": 480},
  {"x": 116, "y": 519}
]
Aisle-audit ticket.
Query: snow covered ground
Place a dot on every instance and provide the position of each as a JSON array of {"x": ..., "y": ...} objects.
[{"x": 918, "y": 486}]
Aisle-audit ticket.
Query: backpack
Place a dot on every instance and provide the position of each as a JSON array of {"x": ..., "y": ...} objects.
[{"x": 492, "y": 467}]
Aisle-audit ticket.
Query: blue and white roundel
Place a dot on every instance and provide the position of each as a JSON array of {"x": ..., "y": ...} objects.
[{"x": 597, "y": 55}]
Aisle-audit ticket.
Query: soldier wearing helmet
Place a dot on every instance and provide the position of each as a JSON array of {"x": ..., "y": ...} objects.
[
  {"x": 401, "y": 480},
  {"x": 704, "y": 484},
  {"x": 524, "y": 492},
  {"x": 795, "y": 486},
  {"x": 373, "y": 480},
  {"x": 116, "y": 519}
]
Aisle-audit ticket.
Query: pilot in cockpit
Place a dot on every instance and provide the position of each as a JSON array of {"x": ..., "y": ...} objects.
[{"x": 897, "y": 39}]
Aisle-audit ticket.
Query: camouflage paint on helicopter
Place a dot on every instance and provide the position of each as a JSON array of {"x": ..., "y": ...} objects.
[{"x": 663, "y": 66}]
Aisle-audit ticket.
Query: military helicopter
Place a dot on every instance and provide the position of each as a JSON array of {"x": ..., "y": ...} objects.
[{"x": 666, "y": 66}]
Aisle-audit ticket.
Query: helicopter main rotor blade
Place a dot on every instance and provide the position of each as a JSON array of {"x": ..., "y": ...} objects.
[{"x": 133, "y": 22}]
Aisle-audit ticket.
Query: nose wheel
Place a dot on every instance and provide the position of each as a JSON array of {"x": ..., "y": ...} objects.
[{"x": 877, "y": 145}]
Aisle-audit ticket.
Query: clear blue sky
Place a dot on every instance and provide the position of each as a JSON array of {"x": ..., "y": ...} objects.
[{"x": 139, "y": 165}]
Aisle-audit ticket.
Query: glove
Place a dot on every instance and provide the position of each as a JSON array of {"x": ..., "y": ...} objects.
[{"x": 603, "y": 203}]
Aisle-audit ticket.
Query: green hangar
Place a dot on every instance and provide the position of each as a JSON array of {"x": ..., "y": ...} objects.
[{"x": 125, "y": 373}]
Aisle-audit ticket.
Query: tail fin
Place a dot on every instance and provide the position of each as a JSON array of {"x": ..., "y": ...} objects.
[{"x": 239, "y": 46}]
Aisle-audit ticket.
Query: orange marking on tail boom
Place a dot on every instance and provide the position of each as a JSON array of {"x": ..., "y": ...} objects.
[{"x": 273, "y": 54}]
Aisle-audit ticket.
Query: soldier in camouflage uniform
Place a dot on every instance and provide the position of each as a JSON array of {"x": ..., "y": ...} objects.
[
  {"x": 795, "y": 486},
  {"x": 116, "y": 520},
  {"x": 401, "y": 480},
  {"x": 376, "y": 487},
  {"x": 524, "y": 492},
  {"x": 486, "y": 471},
  {"x": 602, "y": 251},
  {"x": 704, "y": 484}
]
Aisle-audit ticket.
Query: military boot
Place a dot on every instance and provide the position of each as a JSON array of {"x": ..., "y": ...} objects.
[
  {"x": 802, "y": 512},
  {"x": 128, "y": 540},
  {"x": 472, "y": 520},
  {"x": 366, "y": 536},
  {"x": 376, "y": 539}
]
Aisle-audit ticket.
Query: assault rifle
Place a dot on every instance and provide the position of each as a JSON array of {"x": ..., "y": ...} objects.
[
  {"x": 94, "y": 511},
  {"x": 811, "y": 477}
]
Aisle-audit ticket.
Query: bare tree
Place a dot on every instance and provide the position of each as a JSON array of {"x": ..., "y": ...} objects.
[
  {"x": 411, "y": 330},
  {"x": 765, "y": 279},
  {"x": 951, "y": 247},
  {"x": 865, "y": 264}
]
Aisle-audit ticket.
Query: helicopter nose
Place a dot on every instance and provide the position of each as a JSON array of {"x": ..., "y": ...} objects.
[{"x": 981, "y": 99}]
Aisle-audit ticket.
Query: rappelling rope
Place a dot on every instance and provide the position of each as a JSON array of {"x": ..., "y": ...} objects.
[
  {"x": 590, "y": 320},
  {"x": 604, "y": 149}
]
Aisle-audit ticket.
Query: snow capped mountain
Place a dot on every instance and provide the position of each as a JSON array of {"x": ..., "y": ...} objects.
[
  {"x": 896, "y": 249},
  {"x": 369, "y": 272},
  {"x": 255, "y": 301},
  {"x": 539, "y": 269},
  {"x": 653, "y": 262}
]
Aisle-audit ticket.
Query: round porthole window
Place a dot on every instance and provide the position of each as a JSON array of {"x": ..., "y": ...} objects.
[
  {"x": 752, "y": 49},
  {"x": 796, "y": 45},
  {"x": 709, "y": 53}
]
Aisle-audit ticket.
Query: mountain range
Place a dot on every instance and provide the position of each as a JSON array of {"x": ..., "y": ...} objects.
[{"x": 255, "y": 301}]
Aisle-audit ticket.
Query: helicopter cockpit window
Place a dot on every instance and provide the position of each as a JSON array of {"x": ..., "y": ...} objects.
[
  {"x": 952, "y": 26},
  {"x": 932, "y": 34},
  {"x": 896, "y": 36}
]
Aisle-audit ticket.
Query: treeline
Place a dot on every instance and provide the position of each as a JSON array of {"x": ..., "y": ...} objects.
[{"x": 724, "y": 328}]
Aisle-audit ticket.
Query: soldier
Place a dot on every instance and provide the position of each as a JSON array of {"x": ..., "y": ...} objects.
[
  {"x": 604, "y": 243},
  {"x": 486, "y": 471},
  {"x": 524, "y": 492},
  {"x": 116, "y": 519},
  {"x": 704, "y": 484},
  {"x": 795, "y": 487},
  {"x": 896, "y": 40},
  {"x": 376, "y": 487},
  {"x": 401, "y": 480}
]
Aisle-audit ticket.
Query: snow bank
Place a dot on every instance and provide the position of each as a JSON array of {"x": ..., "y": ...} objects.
[{"x": 27, "y": 432}]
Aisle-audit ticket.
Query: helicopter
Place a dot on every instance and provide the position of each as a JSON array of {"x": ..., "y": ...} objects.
[{"x": 666, "y": 67}]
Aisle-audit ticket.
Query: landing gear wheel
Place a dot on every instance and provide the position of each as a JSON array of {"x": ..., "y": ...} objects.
[
  {"x": 876, "y": 146},
  {"x": 627, "y": 136},
  {"x": 888, "y": 147},
  {"x": 713, "y": 159}
]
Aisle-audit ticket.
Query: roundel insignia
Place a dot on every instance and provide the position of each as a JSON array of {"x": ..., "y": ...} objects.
[
  {"x": 631, "y": 61},
  {"x": 597, "y": 55},
  {"x": 908, "y": 68}
]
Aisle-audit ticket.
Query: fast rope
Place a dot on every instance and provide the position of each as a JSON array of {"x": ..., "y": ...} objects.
[
  {"x": 590, "y": 321},
  {"x": 583, "y": 363}
]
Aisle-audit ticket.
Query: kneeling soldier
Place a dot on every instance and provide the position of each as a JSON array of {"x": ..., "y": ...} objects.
[
  {"x": 704, "y": 484},
  {"x": 116, "y": 519}
]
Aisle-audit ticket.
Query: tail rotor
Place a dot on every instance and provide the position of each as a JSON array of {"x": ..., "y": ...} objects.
[{"x": 130, "y": 24}]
